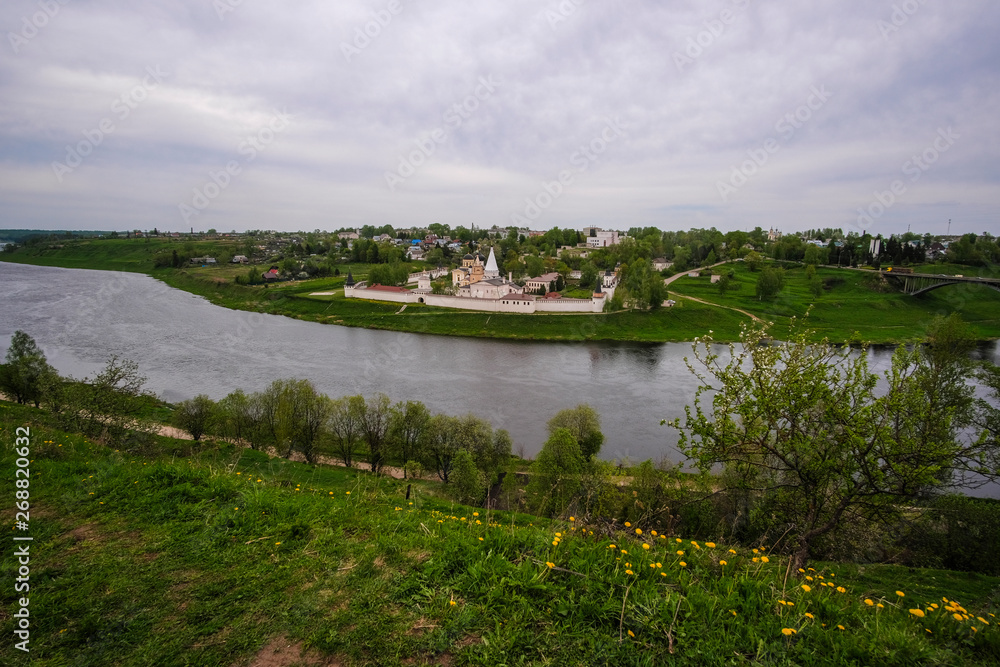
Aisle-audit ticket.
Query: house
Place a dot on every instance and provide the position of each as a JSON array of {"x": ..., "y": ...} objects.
[
  {"x": 203, "y": 260},
  {"x": 660, "y": 263},
  {"x": 542, "y": 282},
  {"x": 240, "y": 259},
  {"x": 350, "y": 236},
  {"x": 415, "y": 253},
  {"x": 270, "y": 275},
  {"x": 600, "y": 238}
]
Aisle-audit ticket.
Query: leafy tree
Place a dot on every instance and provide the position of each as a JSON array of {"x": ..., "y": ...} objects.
[
  {"x": 585, "y": 425},
  {"x": 375, "y": 429},
  {"x": 555, "y": 474},
  {"x": 195, "y": 415},
  {"x": 344, "y": 426},
  {"x": 441, "y": 447},
  {"x": 238, "y": 418},
  {"x": 113, "y": 404},
  {"x": 754, "y": 260},
  {"x": 806, "y": 427},
  {"x": 469, "y": 485},
  {"x": 408, "y": 428},
  {"x": 769, "y": 283},
  {"x": 295, "y": 415},
  {"x": 26, "y": 373}
]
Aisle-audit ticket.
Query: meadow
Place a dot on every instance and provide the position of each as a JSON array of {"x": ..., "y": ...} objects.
[{"x": 205, "y": 554}]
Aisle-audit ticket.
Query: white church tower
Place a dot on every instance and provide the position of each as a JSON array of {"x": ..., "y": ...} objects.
[{"x": 492, "y": 270}]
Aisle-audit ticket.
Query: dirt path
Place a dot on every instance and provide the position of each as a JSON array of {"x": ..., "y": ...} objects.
[{"x": 709, "y": 303}]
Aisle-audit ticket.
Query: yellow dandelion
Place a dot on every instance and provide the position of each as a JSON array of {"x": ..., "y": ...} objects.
[
  {"x": 957, "y": 617},
  {"x": 631, "y": 634},
  {"x": 624, "y": 552},
  {"x": 783, "y": 603},
  {"x": 645, "y": 546},
  {"x": 722, "y": 562},
  {"x": 802, "y": 571},
  {"x": 653, "y": 533},
  {"x": 555, "y": 543},
  {"x": 755, "y": 559},
  {"x": 869, "y": 602},
  {"x": 679, "y": 540},
  {"x": 756, "y": 551},
  {"x": 764, "y": 559},
  {"x": 661, "y": 565},
  {"x": 808, "y": 578},
  {"x": 551, "y": 565},
  {"x": 628, "y": 525},
  {"x": 348, "y": 493},
  {"x": 732, "y": 612},
  {"x": 572, "y": 519},
  {"x": 628, "y": 571},
  {"x": 277, "y": 544},
  {"x": 732, "y": 551},
  {"x": 928, "y": 631},
  {"x": 880, "y": 606},
  {"x": 840, "y": 589},
  {"x": 982, "y": 620},
  {"x": 452, "y": 603},
  {"x": 806, "y": 588},
  {"x": 611, "y": 546},
  {"x": 919, "y": 613},
  {"x": 840, "y": 627},
  {"x": 680, "y": 552},
  {"x": 901, "y": 594},
  {"x": 477, "y": 514},
  {"x": 683, "y": 564},
  {"x": 788, "y": 632},
  {"x": 808, "y": 615},
  {"x": 710, "y": 545}
]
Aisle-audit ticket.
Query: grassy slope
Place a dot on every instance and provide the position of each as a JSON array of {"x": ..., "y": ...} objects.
[
  {"x": 850, "y": 311},
  {"x": 204, "y": 557},
  {"x": 853, "y": 311}
]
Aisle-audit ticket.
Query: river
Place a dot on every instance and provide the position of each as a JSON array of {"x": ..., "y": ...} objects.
[{"x": 186, "y": 346}]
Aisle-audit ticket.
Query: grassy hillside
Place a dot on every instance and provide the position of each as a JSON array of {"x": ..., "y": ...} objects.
[
  {"x": 216, "y": 556},
  {"x": 854, "y": 305}
]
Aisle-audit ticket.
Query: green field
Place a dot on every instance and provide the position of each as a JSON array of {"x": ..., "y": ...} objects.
[
  {"x": 848, "y": 310},
  {"x": 851, "y": 309},
  {"x": 209, "y": 555}
]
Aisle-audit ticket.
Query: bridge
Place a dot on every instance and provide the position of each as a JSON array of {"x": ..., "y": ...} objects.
[{"x": 919, "y": 283}]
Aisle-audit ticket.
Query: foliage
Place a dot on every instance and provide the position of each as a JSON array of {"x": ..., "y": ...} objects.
[
  {"x": 195, "y": 415},
  {"x": 802, "y": 426},
  {"x": 344, "y": 426},
  {"x": 585, "y": 425},
  {"x": 295, "y": 416},
  {"x": 468, "y": 483},
  {"x": 26, "y": 374},
  {"x": 374, "y": 423},
  {"x": 769, "y": 283},
  {"x": 111, "y": 405},
  {"x": 555, "y": 474},
  {"x": 408, "y": 429}
]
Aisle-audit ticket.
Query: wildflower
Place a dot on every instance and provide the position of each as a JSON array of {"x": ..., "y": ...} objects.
[
  {"x": 624, "y": 552},
  {"x": 928, "y": 630},
  {"x": 277, "y": 544},
  {"x": 572, "y": 519},
  {"x": 722, "y": 562},
  {"x": 808, "y": 578},
  {"x": 756, "y": 551},
  {"x": 679, "y": 540},
  {"x": 808, "y": 615},
  {"x": 869, "y": 602},
  {"x": 555, "y": 543},
  {"x": 755, "y": 559},
  {"x": 645, "y": 546},
  {"x": 802, "y": 571},
  {"x": 558, "y": 534},
  {"x": 919, "y": 613},
  {"x": 480, "y": 539},
  {"x": 806, "y": 588},
  {"x": 710, "y": 545},
  {"x": 680, "y": 552},
  {"x": 982, "y": 620},
  {"x": 732, "y": 551},
  {"x": 788, "y": 632},
  {"x": 663, "y": 574},
  {"x": 661, "y": 565},
  {"x": 783, "y": 603},
  {"x": 628, "y": 525},
  {"x": 653, "y": 533},
  {"x": 348, "y": 493},
  {"x": 901, "y": 594},
  {"x": 551, "y": 565},
  {"x": 683, "y": 564},
  {"x": 631, "y": 634},
  {"x": 331, "y": 493},
  {"x": 628, "y": 571},
  {"x": 452, "y": 603},
  {"x": 880, "y": 606},
  {"x": 477, "y": 514},
  {"x": 840, "y": 627},
  {"x": 957, "y": 616},
  {"x": 764, "y": 559},
  {"x": 611, "y": 546},
  {"x": 732, "y": 612},
  {"x": 840, "y": 589}
]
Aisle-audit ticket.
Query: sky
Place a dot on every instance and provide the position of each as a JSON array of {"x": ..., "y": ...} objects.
[{"x": 868, "y": 115}]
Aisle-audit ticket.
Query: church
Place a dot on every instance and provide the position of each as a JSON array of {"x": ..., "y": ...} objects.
[{"x": 484, "y": 282}]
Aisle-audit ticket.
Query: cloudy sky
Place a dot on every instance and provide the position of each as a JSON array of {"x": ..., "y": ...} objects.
[{"x": 247, "y": 114}]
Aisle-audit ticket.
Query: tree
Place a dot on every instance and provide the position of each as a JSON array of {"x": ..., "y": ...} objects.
[
  {"x": 808, "y": 429},
  {"x": 769, "y": 283},
  {"x": 374, "y": 424},
  {"x": 408, "y": 428},
  {"x": 295, "y": 415},
  {"x": 469, "y": 485},
  {"x": 585, "y": 425},
  {"x": 238, "y": 418},
  {"x": 112, "y": 404},
  {"x": 555, "y": 474},
  {"x": 195, "y": 415},
  {"x": 344, "y": 425},
  {"x": 26, "y": 372},
  {"x": 441, "y": 447},
  {"x": 754, "y": 260}
]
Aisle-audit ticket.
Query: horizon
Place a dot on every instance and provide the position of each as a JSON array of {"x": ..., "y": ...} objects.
[{"x": 233, "y": 115}]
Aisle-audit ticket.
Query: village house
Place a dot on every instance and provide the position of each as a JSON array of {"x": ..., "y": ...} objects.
[{"x": 542, "y": 283}]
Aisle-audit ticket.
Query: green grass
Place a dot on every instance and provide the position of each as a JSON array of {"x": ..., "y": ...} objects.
[
  {"x": 205, "y": 555},
  {"x": 851, "y": 310}
]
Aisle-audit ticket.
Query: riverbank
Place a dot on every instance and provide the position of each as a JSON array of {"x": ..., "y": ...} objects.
[{"x": 851, "y": 306}]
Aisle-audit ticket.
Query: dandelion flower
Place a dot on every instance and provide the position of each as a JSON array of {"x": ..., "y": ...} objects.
[
  {"x": 840, "y": 589},
  {"x": 806, "y": 588},
  {"x": 631, "y": 634},
  {"x": 764, "y": 559},
  {"x": 452, "y": 603},
  {"x": 732, "y": 551},
  {"x": 788, "y": 632},
  {"x": 628, "y": 571},
  {"x": 880, "y": 606},
  {"x": 348, "y": 493},
  {"x": 653, "y": 533},
  {"x": 624, "y": 552},
  {"x": 680, "y": 552},
  {"x": 663, "y": 574},
  {"x": 808, "y": 578},
  {"x": 755, "y": 559},
  {"x": 480, "y": 539},
  {"x": 982, "y": 620},
  {"x": 901, "y": 594},
  {"x": 572, "y": 519},
  {"x": 869, "y": 602},
  {"x": 732, "y": 612},
  {"x": 722, "y": 562},
  {"x": 710, "y": 545},
  {"x": 919, "y": 613},
  {"x": 628, "y": 525},
  {"x": 840, "y": 627},
  {"x": 277, "y": 544},
  {"x": 645, "y": 546},
  {"x": 957, "y": 616},
  {"x": 661, "y": 565},
  {"x": 611, "y": 546},
  {"x": 477, "y": 514},
  {"x": 802, "y": 571},
  {"x": 551, "y": 565},
  {"x": 679, "y": 540},
  {"x": 683, "y": 564},
  {"x": 756, "y": 551},
  {"x": 808, "y": 615}
]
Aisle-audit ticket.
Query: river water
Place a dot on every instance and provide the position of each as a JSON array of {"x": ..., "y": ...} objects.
[{"x": 186, "y": 346}]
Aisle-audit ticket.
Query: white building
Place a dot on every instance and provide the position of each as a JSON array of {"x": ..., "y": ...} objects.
[{"x": 601, "y": 238}]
